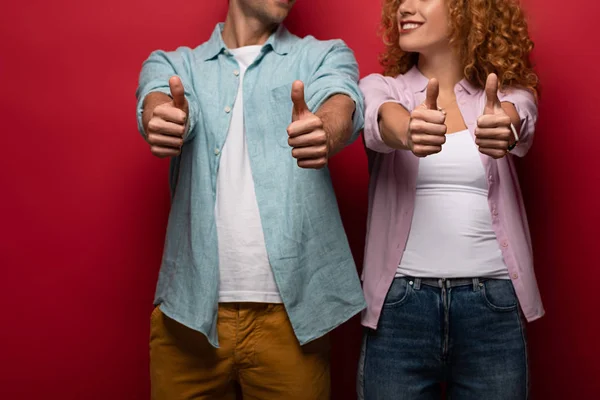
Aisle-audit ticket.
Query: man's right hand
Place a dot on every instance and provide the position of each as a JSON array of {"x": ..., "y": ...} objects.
[
  {"x": 426, "y": 129},
  {"x": 168, "y": 122}
]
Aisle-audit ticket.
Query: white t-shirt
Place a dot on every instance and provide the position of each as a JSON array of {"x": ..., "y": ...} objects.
[
  {"x": 244, "y": 268},
  {"x": 451, "y": 235}
]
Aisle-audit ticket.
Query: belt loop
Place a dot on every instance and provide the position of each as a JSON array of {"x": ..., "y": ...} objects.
[
  {"x": 475, "y": 284},
  {"x": 417, "y": 283}
]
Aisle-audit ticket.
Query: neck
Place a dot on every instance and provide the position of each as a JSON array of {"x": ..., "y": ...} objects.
[
  {"x": 445, "y": 67},
  {"x": 242, "y": 29}
]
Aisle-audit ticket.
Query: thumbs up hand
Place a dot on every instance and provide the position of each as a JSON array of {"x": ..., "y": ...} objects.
[
  {"x": 493, "y": 134},
  {"x": 309, "y": 142},
  {"x": 169, "y": 123},
  {"x": 426, "y": 129}
]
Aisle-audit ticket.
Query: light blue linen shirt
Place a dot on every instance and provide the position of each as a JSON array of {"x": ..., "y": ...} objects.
[{"x": 306, "y": 243}]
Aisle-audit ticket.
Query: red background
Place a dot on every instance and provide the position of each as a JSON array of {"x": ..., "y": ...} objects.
[{"x": 84, "y": 204}]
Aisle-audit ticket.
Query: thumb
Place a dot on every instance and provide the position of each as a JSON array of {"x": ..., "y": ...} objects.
[
  {"x": 491, "y": 94},
  {"x": 433, "y": 90},
  {"x": 177, "y": 92},
  {"x": 300, "y": 106}
]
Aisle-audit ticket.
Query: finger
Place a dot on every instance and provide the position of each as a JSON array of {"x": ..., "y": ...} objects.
[
  {"x": 494, "y": 153},
  {"x": 311, "y": 152},
  {"x": 315, "y": 138},
  {"x": 170, "y": 113},
  {"x": 424, "y": 151},
  {"x": 493, "y": 133},
  {"x": 158, "y": 125},
  {"x": 300, "y": 106},
  {"x": 435, "y": 117},
  {"x": 493, "y": 121},
  {"x": 433, "y": 90},
  {"x": 165, "y": 141},
  {"x": 418, "y": 126},
  {"x": 304, "y": 126},
  {"x": 428, "y": 140},
  {"x": 317, "y": 163},
  {"x": 491, "y": 93},
  {"x": 177, "y": 92},
  {"x": 492, "y": 144},
  {"x": 163, "y": 152}
]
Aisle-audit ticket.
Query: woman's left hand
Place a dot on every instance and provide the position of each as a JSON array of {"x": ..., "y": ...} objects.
[{"x": 493, "y": 134}]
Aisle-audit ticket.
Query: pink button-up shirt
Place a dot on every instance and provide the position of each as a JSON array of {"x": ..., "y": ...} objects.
[{"x": 392, "y": 190}]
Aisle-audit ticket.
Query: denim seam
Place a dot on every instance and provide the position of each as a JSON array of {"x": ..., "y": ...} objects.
[
  {"x": 360, "y": 382},
  {"x": 524, "y": 339}
]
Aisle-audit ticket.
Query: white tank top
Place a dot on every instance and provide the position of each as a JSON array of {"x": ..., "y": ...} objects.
[{"x": 451, "y": 235}]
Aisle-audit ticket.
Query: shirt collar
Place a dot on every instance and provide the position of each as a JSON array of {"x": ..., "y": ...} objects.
[
  {"x": 279, "y": 41},
  {"x": 421, "y": 81}
]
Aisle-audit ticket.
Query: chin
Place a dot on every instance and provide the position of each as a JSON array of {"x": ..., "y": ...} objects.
[
  {"x": 280, "y": 17},
  {"x": 277, "y": 14},
  {"x": 417, "y": 45},
  {"x": 409, "y": 46}
]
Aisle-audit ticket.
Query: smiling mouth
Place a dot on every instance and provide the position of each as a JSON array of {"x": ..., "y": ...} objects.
[{"x": 406, "y": 27}]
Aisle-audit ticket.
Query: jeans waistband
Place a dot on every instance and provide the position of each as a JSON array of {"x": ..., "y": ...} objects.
[{"x": 446, "y": 282}]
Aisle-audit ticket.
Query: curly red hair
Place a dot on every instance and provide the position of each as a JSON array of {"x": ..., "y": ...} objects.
[{"x": 489, "y": 36}]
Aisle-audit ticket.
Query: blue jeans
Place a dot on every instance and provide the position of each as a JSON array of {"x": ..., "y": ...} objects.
[{"x": 470, "y": 336}]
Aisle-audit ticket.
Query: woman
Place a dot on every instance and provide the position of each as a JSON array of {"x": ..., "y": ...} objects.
[{"x": 448, "y": 272}]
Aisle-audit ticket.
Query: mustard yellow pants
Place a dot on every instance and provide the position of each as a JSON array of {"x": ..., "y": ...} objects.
[{"x": 258, "y": 351}]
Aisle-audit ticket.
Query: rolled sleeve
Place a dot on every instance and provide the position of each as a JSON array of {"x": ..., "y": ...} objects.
[
  {"x": 156, "y": 71},
  {"x": 378, "y": 90},
  {"x": 526, "y": 107},
  {"x": 337, "y": 74}
]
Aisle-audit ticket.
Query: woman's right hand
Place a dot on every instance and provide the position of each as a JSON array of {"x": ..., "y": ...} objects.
[{"x": 426, "y": 129}]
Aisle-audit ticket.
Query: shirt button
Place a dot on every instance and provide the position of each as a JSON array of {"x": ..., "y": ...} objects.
[
  {"x": 495, "y": 211},
  {"x": 515, "y": 276},
  {"x": 227, "y": 109},
  {"x": 505, "y": 244},
  {"x": 217, "y": 151},
  {"x": 236, "y": 72}
]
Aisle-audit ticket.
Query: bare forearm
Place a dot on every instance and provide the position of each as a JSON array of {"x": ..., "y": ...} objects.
[
  {"x": 151, "y": 101},
  {"x": 336, "y": 114},
  {"x": 393, "y": 125}
]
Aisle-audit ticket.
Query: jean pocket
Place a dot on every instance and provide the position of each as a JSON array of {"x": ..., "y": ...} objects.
[
  {"x": 398, "y": 293},
  {"x": 499, "y": 295}
]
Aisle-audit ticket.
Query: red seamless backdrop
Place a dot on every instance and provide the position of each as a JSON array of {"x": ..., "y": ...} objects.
[{"x": 84, "y": 204}]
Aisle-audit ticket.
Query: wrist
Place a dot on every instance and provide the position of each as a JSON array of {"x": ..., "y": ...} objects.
[{"x": 514, "y": 138}]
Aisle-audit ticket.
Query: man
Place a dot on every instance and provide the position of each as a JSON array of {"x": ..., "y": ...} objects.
[{"x": 256, "y": 268}]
